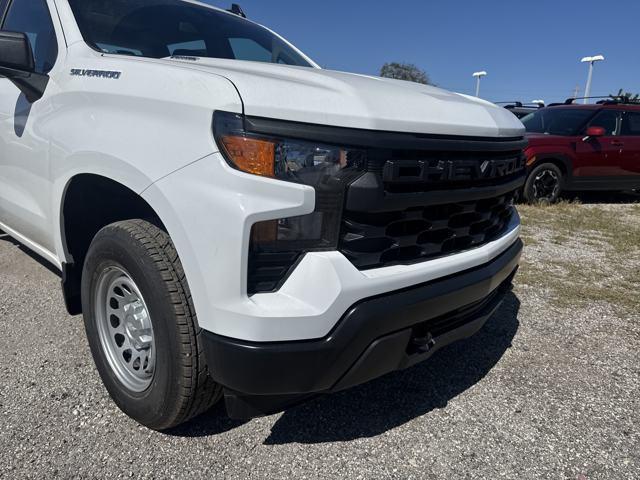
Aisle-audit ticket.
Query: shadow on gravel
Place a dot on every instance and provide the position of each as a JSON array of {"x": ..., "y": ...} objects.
[
  {"x": 213, "y": 422},
  {"x": 391, "y": 401},
  {"x": 596, "y": 198},
  {"x": 45, "y": 263}
]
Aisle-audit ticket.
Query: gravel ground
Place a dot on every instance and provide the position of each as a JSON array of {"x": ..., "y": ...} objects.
[{"x": 543, "y": 391}]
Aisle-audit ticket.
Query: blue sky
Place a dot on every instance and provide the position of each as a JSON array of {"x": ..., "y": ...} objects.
[{"x": 530, "y": 48}]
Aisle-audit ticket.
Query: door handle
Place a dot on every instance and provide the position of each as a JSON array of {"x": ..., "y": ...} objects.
[{"x": 617, "y": 144}]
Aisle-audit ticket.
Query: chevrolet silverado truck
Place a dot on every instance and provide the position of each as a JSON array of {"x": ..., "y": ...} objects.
[{"x": 233, "y": 220}]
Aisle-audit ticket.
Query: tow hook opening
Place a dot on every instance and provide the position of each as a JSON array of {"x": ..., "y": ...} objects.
[{"x": 421, "y": 342}]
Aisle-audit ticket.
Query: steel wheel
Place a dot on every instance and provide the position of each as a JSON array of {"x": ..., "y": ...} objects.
[
  {"x": 125, "y": 329},
  {"x": 546, "y": 185},
  {"x": 142, "y": 328}
]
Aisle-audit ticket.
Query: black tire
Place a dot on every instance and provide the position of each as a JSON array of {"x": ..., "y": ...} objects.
[
  {"x": 180, "y": 387},
  {"x": 544, "y": 184}
]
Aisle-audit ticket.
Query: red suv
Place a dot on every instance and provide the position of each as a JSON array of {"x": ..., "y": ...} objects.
[{"x": 582, "y": 147}]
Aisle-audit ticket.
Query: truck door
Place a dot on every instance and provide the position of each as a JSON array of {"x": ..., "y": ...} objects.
[{"x": 25, "y": 187}]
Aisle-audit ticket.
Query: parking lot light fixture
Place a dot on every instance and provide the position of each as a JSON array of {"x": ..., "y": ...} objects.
[
  {"x": 478, "y": 76},
  {"x": 591, "y": 61}
]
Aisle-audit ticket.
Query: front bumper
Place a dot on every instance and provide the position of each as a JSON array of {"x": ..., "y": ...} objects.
[{"x": 374, "y": 336}]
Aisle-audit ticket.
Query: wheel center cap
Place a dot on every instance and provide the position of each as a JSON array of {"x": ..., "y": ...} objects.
[{"x": 137, "y": 325}]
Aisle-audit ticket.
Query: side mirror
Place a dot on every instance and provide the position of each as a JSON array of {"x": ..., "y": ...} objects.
[
  {"x": 16, "y": 52},
  {"x": 594, "y": 132},
  {"x": 18, "y": 65}
]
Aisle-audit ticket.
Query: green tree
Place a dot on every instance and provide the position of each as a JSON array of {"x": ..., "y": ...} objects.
[
  {"x": 405, "y": 71},
  {"x": 627, "y": 95}
]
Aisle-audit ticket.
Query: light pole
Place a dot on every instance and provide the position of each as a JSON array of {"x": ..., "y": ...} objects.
[
  {"x": 591, "y": 61},
  {"x": 478, "y": 76}
]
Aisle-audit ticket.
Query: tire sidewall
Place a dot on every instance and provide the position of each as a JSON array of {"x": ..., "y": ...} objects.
[
  {"x": 115, "y": 247},
  {"x": 528, "y": 190}
]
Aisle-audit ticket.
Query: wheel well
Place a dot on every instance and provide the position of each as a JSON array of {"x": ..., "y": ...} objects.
[
  {"x": 555, "y": 161},
  {"x": 90, "y": 203}
]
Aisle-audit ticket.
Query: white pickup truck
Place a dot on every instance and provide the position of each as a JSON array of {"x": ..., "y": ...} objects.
[{"x": 231, "y": 219}]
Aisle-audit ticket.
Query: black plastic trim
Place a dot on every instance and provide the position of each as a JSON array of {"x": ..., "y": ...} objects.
[
  {"x": 252, "y": 285},
  {"x": 355, "y": 137},
  {"x": 31, "y": 84},
  {"x": 629, "y": 182},
  {"x": 558, "y": 157},
  {"x": 291, "y": 370},
  {"x": 19, "y": 67},
  {"x": 70, "y": 281},
  {"x": 367, "y": 194}
]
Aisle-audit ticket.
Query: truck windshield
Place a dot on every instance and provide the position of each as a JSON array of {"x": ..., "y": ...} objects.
[
  {"x": 163, "y": 28},
  {"x": 557, "y": 121}
]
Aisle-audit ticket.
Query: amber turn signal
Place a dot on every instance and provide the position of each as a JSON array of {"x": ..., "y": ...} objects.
[{"x": 251, "y": 155}]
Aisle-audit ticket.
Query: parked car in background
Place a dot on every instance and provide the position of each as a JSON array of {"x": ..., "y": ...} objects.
[
  {"x": 520, "y": 109},
  {"x": 582, "y": 147}
]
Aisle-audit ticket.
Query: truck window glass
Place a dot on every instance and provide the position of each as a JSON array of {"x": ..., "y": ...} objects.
[
  {"x": 607, "y": 119},
  {"x": 161, "y": 28},
  {"x": 631, "y": 124},
  {"x": 557, "y": 121},
  {"x": 249, "y": 50},
  {"x": 195, "y": 48}
]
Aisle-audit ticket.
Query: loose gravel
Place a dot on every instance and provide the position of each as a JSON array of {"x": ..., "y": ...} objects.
[{"x": 541, "y": 392}]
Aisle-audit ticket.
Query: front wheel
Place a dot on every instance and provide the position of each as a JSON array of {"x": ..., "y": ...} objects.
[
  {"x": 544, "y": 184},
  {"x": 142, "y": 327}
]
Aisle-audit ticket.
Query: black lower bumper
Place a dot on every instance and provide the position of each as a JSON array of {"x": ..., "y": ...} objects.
[{"x": 375, "y": 336}]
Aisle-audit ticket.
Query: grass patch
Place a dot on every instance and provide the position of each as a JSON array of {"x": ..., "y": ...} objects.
[
  {"x": 584, "y": 254},
  {"x": 570, "y": 220}
]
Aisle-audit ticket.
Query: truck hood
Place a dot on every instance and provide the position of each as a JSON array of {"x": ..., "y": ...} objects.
[{"x": 327, "y": 97}]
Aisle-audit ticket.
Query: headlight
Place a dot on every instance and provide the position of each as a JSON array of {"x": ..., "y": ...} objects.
[
  {"x": 276, "y": 245},
  {"x": 285, "y": 159}
]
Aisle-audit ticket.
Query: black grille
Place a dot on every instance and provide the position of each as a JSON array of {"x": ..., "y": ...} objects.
[
  {"x": 408, "y": 197},
  {"x": 377, "y": 239},
  {"x": 268, "y": 270}
]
